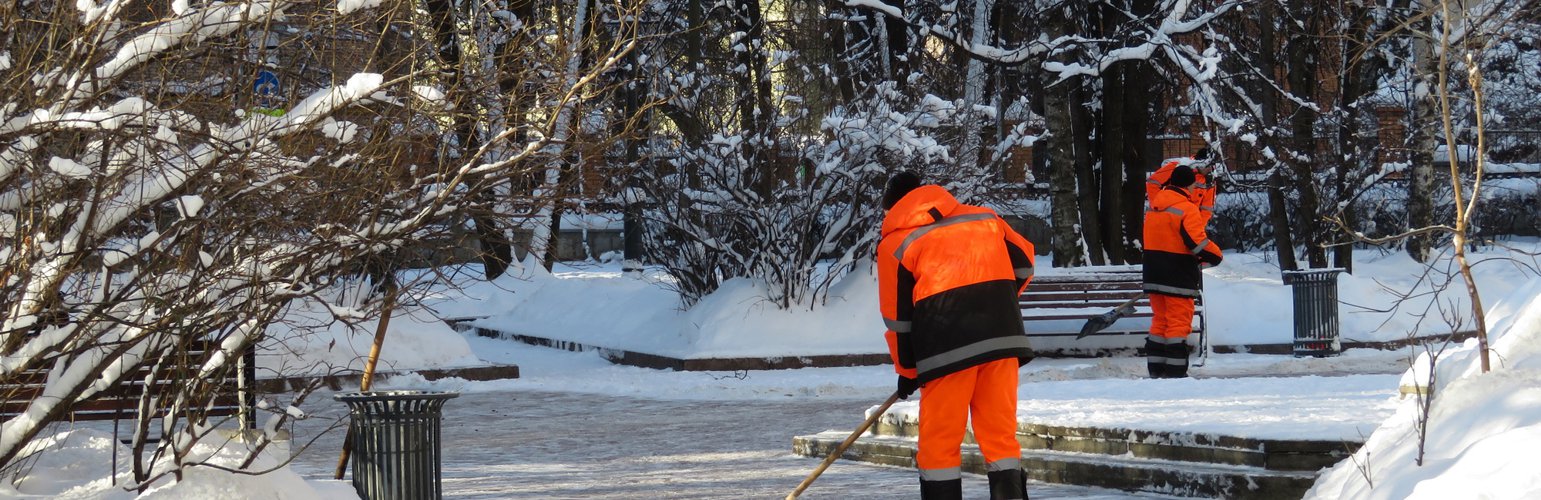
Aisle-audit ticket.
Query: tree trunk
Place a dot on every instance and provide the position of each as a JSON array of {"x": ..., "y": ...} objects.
[
  {"x": 507, "y": 70},
  {"x": 896, "y": 43},
  {"x": 973, "y": 94},
  {"x": 496, "y": 248},
  {"x": 1111, "y": 215},
  {"x": 1087, "y": 185},
  {"x": 1278, "y": 216},
  {"x": 1064, "y": 212},
  {"x": 1136, "y": 139},
  {"x": 1360, "y": 75},
  {"x": 1421, "y": 140},
  {"x": 849, "y": 39},
  {"x": 1278, "y": 210},
  {"x": 547, "y": 219},
  {"x": 1303, "y": 79},
  {"x": 754, "y": 104}
]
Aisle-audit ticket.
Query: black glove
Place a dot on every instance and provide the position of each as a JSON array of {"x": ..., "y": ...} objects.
[{"x": 907, "y": 386}]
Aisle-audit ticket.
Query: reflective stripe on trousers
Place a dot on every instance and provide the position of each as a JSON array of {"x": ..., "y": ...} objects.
[{"x": 988, "y": 394}]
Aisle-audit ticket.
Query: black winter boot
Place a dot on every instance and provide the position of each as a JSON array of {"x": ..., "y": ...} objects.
[
  {"x": 951, "y": 489},
  {"x": 1008, "y": 485}
]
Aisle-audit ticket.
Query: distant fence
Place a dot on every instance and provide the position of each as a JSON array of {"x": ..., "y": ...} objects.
[{"x": 1514, "y": 146}]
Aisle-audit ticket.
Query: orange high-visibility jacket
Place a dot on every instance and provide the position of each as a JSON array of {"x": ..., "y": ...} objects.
[
  {"x": 949, "y": 277},
  {"x": 1202, "y": 194},
  {"x": 1175, "y": 243}
]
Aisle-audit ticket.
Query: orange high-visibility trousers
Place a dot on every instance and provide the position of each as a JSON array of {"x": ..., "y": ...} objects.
[
  {"x": 1166, "y": 350},
  {"x": 1172, "y": 316},
  {"x": 988, "y": 394}
]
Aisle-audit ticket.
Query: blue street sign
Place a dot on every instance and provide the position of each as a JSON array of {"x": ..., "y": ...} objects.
[{"x": 266, "y": 89}]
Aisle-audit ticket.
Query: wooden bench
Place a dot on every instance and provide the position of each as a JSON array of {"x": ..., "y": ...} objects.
[
  {"x": 1057, "y": 304},
  {"x": 236, "y": 392}
]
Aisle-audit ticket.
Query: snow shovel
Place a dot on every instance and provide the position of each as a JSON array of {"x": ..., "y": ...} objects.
[
  {"x": 1102, "y": 321},
  {"x": 839, "y": 450}
]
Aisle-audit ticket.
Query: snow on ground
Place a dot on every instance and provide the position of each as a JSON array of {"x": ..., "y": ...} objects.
[
  {"x": 1307, "y": 408},
  {"x": 1482, "y": 432},
  {"x": 1246, "y": 299},
  {"x": 592, "y": 305},
  {"x": 78, "y": 465},
  {"x": 1481, "y": 423},
  {"x": 418, "y": 339}
]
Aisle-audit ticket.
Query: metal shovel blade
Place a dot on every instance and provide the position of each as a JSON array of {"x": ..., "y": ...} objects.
[
  {"x": 1102, "y": 321},
  {"x": 1097, "y": 323}
]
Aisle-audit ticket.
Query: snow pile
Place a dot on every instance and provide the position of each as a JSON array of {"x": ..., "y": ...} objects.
[
  {"x": 1483, "y": 429},
  {"x": 309, "y": 342},
  {"x": 1248, "y": 304},
  {"x": 737, "y": 321},
  {"x": 79, "y": 465},
  {"x": 599, "y": 308}
]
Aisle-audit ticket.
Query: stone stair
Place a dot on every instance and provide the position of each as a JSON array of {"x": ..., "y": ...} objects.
[{"x": 1171, "y": 463}]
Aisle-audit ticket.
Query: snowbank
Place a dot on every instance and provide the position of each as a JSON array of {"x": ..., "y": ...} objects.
[
  {"x": 1247, "y": 304},
  {"x": 309, "y": 342},
  {"x": 78, "y": 464},
  {"x": 1483, "y": 430},
  {"x": 644, "y": 315}
]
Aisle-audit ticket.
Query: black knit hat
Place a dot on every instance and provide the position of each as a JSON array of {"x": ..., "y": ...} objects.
[
  {"x": 901, "y": 184},
  {"x": 1182, "y": 177}
]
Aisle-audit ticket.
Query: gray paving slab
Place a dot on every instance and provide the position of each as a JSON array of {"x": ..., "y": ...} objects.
[{"x": 576, "y": 446}]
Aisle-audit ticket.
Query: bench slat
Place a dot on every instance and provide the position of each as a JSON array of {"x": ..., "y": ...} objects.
[
  {"x": 109, "y": 407},
  {"x": 122, "y": 400},
  {"x": 1075, "y": 296},
  {"x": 1062, "y": 317},
  {"x": 1089, "y": 277},
  {"x": 1081, "y": 287},
  {"x": 1056, "y": 305}
]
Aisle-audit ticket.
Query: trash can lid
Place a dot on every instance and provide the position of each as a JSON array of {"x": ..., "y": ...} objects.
[
  {"x": 1324, "y": 273},
  {"x": 1316, "y": 270},
  {"x": 403, "y": 395}
]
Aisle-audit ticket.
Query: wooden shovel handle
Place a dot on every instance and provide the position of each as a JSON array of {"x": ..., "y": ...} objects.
[{"x": 839, "y": 450}]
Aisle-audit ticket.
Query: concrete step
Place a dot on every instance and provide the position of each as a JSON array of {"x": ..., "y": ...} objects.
[
  {"x": 337, "y": 381},
  {"x": 1201, "y": 448},
  {"x": 1124, "y": 472}
]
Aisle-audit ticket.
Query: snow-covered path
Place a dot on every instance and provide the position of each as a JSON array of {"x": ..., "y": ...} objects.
[
  {"x": 576, "y": 426},
  {"x": 554, "y": 445}
]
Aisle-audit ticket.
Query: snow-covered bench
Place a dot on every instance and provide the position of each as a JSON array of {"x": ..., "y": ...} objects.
[
  {"x": 1058, "y": 303},
  {"x": 235, "y": 393}
]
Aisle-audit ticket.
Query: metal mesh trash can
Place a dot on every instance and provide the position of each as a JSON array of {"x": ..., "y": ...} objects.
[
  {"x": 395, "y": 437},
  {"x": 1316, "y": 311}
]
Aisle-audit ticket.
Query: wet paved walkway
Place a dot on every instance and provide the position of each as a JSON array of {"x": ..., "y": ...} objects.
[{"x": 550, "y": 445}]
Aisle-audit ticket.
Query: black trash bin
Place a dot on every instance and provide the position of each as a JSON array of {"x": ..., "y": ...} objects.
[
  {"x": 395, "y": 437},
  {"x": 1316, "y": 311}
]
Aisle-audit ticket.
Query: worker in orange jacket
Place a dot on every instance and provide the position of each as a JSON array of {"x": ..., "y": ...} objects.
[
  {"x": 949, "y": 277},
  {"x": 1176, "y": 246},
  {"x": 1203, "y": 191}
]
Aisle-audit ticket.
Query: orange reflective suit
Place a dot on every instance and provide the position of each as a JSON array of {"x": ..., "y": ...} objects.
[
  {"x": 1175, "y": 244},
  {"x": 949, "y": 277},
  {"x": 1202, "y": 193}
]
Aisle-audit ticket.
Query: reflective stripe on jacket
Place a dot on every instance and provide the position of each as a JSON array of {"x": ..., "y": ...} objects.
[
  {"x": 949, "y": 276},
  {"x": 1175, "y": 243}
]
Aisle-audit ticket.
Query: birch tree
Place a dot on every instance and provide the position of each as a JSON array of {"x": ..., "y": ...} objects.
[
  {"x": 145, "y": 205},
  {"x": 1458, "y": 36}
]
